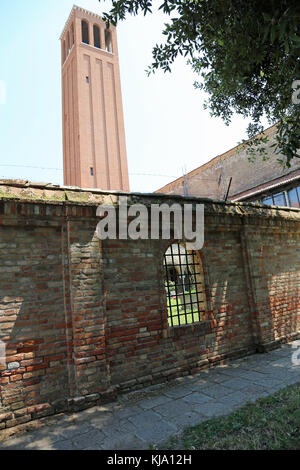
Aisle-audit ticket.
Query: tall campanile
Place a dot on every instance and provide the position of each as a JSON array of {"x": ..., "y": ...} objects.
[{"x": 93, "y": 125}]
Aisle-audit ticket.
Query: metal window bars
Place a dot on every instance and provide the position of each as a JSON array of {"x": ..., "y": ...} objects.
[{"x": 184, "y": 285}]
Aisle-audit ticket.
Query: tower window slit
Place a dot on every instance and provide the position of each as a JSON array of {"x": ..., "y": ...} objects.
[
  {"x": 85, "y": 32},
  {"x": 97, "y": 37},
  {"x": 108, "y": 42}
]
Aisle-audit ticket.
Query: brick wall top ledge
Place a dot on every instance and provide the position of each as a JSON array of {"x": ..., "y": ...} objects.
[{"x": 42, "y": 193}]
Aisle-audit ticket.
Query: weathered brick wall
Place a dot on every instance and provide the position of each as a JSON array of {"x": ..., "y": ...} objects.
[
  {"x": 32, "y": 318},
  {"x": 87, "y": 308},
  {"x": 83, "y": 319},
  {"x": 136, "y": 310},
  {"x": 274, "y": 263}
]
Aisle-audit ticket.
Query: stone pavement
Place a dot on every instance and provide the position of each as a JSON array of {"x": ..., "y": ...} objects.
[{"x": 150, "y": 417}]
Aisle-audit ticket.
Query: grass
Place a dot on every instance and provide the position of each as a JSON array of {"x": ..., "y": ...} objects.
[
  {"x": 190, "y": 314},
  {"x": 271, "y": 423}
]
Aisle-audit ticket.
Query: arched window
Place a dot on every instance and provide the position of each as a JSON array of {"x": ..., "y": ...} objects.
[
  {"x": 184, "y": 285},
  {"x": 108, "y": 42},
  {"x": 97, "y": 36},
  {"x": 85, "y": 32}
]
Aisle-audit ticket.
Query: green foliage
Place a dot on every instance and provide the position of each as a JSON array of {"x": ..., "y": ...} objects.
[
  {"x": 247, "y": 54},
  {"x": 271, "y": 423},
  {"x": 182, "y": 314}
]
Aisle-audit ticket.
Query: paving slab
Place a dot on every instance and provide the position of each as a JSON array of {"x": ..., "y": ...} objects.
[
  {"x": 269, "y": 382},
  {"x": 138, "y": 420},
  {"x": 64, "y": 445},
  {"x": 197, "y": 397},
  {"x": 175, "y": 408},
  {"x": 92, "y": 438},
  {"x": 220, "y": 377},
  {"x": 121, "y": 441},
  {"x": 154, "y": 431},
  {"x": 117, "y": 425},
  {"x": 190, "y": 418},
  {"x": 231, "y": 372},
  {"x": 178, "y": 392},
  {"x": 215, "y": 409},
  {"x": 217, "y": 390},
  {"x": 57, "y": 433},
  {"x": 234, "y": 399},
  {"x": 145, "y": 418},
  {"x": 150, "y": 403},
  {"x": 292, "y": 380},
  {"x": 236, "y": 383},
  {"x": 128, "y": 411},
  {"x": 254, "y": 376}
]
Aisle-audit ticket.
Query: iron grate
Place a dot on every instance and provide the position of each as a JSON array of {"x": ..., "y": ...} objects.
[{"x": 184, "y": 285}]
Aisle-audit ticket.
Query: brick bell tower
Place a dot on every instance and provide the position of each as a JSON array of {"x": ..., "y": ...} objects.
[{"x": 94, "y": 144}]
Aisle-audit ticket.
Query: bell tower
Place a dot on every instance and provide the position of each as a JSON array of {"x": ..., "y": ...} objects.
[{"x": 94, "y": 144}]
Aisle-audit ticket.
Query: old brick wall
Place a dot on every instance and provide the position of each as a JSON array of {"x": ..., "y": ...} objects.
[
  {"x": 32, "y": 317},
  {"x": 83, "y": 319},
  {"x": 136, "y": 310},
  {"x": 274, "y": 263}
]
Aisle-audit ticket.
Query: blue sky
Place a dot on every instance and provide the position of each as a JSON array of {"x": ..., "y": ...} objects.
[{"x": 167, "y": 129}]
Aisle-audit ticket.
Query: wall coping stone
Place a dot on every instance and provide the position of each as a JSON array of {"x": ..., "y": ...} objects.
[{"x": 43, "y": 193}]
